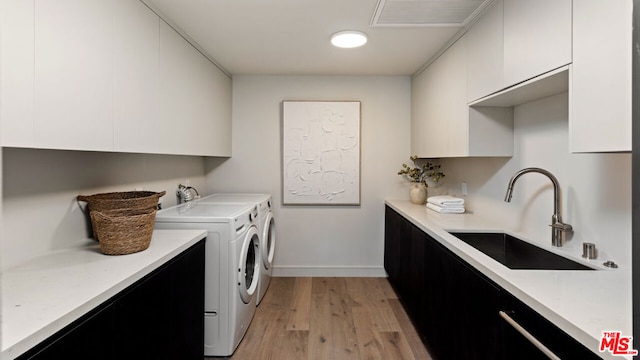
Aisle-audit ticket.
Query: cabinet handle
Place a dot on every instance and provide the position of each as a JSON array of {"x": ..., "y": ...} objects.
[{"x": 528, "y": 336}]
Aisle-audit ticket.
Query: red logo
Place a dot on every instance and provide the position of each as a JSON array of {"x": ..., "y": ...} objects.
[{"x": 614, "y": 342}]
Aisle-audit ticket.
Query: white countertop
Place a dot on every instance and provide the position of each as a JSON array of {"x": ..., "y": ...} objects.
[
  {"x": 47, "y": 293},
  {"x": 581, "y": 303}
]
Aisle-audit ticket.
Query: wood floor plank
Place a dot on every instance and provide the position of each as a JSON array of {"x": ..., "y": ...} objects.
[
  {"x": 343, "y": 328},
  {"x": 280, "y": 293},
  {"x": 370, "y": 342},
  {"x": 321, "y": 342},
  {"x": 342, "y": 322},
  {"x": 396, "y": 346},
  {"x": 272, "y": 338},
  {"x": 291, "y": 345},
  {"x": 386, "y": 288},
  {"x": 301, "y": 305},
  {"x": 369, "y": 292}
]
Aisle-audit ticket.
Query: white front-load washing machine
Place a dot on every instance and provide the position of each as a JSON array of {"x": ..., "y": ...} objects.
[
  {"x": 232, "y": 267},
  {"x": 266, "y": 229}
]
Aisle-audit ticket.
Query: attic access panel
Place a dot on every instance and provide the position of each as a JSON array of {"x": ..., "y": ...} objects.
[{"x": 427, "y": 12}]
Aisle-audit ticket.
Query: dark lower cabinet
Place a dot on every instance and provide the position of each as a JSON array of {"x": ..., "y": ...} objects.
[
  {"x": 455, "y": 308},
  {"x": 517, "y": 346},
  {"x": 435, "y": 288},
  {"x": 85, "y": 336},
  {"x": 472, "y": 303},
  {"x": 158, "y": 317}
]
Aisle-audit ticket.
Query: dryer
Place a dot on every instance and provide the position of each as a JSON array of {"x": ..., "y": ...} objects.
[
  {"x": 232, "y": 267},
  {"x": 266, "y": 228}
]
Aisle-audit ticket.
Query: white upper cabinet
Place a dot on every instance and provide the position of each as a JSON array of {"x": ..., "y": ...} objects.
[
  {"x": 429, "y": 128},
  {"x": 195, "y": 99},
  {"x": 537, "y": 38},
  {"x": 519, "y": 51},
  {"x": 453, "y": 93},
  {"x": 215, "y": 100},
  {"x": 600, "y": 118},
  {"x": 107, "y": 75},
  {"x": 16, "y": 72},
  {"x": 485, "y": 53},
  {"x": 74, "y": 74},
  {"x": 443, "y": 125},
  {"x": 136, "y": 78}
]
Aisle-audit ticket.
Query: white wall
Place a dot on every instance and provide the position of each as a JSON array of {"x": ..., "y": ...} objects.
[
  {"x": 315, "y": 240},
  {"x": 596, "y": 188},
  {"x": 40, "y": 212}
]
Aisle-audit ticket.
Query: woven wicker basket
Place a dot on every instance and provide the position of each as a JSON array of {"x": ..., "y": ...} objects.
[
  {"x": 129, "y": 200},
  {"x": 122, "y": 200},
  {"x": 124, "y": 231}
]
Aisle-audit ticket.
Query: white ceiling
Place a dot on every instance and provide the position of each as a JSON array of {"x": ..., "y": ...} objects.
[{"x": 291, "y": 37}]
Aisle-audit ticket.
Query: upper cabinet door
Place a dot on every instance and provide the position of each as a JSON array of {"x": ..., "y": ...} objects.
[
  {"x": 211, "y": 108},
  {"x": 453, "y": 87},
  {"x": 439, "y": 117},
  {"x": 136, "y": 78},
  {"x": 485, "y": 53},
  {"x": 195, "y": 100},
  {"x": 178, "y": 125},
  {"x": 428, "y": 129},
  {"x": 537, "y": 38},
  {"x": 219, "y": 103},
  {"x": 16, "y": 73},
  {"x": 600, "y": 118},
  {"x": 74, "y": 74}
]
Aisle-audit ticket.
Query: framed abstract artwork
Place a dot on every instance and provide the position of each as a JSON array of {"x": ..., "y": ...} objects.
[{"x": 321, "y": 152}]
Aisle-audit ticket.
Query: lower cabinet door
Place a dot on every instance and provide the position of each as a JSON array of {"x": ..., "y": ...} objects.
[
  {"x": 163, "y": 316},
  {"x": 185, "y": 322},
  {"x": 87, "y": 338},
  {"x": 140, "y": 319},
  {"x": 474, "y": 302},
  {"x": 396, "y": 250},
  {"x": 516, "y": 345},
  {"x": 466, "y": 313}
]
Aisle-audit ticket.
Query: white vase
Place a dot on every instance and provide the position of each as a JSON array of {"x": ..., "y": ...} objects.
[{"x": 418, "y": 193}]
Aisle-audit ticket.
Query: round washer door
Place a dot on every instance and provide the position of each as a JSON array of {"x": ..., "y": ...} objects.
[
  {"x": 249, "y": 265},
  {"x": 268, "y": 246}
]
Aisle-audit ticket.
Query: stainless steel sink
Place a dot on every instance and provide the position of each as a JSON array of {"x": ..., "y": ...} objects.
[{"x": 517, "y": 254}]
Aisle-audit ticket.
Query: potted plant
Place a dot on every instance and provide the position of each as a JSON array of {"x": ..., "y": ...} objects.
[{"x": 418, "y": 176}]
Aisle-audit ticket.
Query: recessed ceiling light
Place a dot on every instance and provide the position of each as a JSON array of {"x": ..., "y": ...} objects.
[{"x": 349, "y": 39}]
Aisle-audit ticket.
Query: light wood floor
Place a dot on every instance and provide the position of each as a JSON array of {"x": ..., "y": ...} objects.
[{"x": 330, "y": 318}]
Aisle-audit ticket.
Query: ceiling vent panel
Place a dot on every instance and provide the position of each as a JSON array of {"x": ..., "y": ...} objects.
[{"x": 427, "y": 12}]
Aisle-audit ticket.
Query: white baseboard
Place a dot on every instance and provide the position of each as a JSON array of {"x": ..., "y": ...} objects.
[{"x": 343, "y": 271}]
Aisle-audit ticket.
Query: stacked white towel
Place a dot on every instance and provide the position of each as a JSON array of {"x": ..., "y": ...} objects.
[{"x": 446, "y": 204}]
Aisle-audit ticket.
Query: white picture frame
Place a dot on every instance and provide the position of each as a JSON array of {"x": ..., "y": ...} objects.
[{"x": 321, "y": 152}]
